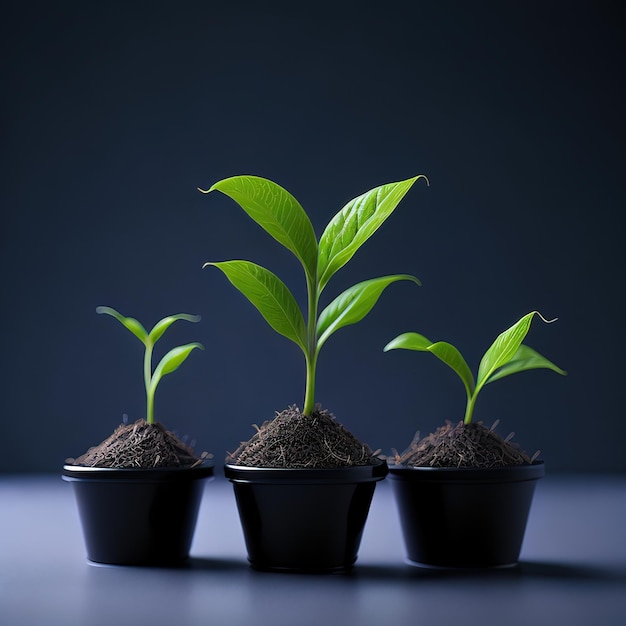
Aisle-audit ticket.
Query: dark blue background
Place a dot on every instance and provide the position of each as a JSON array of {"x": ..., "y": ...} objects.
[{"x": 114, "y": 113}]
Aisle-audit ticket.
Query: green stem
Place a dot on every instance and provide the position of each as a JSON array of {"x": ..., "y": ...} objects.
[
  {"x": 469, "y": 410},
  {"x": 309, "y": 396},
  {"x": 311, "y": 354},
  {"x": 147, "y": 377}
]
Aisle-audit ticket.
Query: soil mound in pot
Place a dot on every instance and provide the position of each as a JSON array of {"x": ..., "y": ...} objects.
[
  {"x": 462, "y": 445},
  {"x": 140, "y": 445},
  {"x": 293, "y": 440}
]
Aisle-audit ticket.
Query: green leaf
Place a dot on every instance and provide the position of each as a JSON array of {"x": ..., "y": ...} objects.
[
  {"x": 409, "y": 341},
  {"x": 269, "y": 295},
  {"x": 444, "y": 351},
  {"x": 171, "y": 362},
  {"x": 504, "y": 348},
  {"x": 354, "y": 304},
  {"x": 277, "y": 212},
  {"x": 355, "y": 224},
  {"x": 524, "y": 359},
  {"x": 131, "y": 323},
  {"x": 160, "y": 327}
]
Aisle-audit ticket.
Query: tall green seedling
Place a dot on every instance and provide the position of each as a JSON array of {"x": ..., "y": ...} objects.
[
  {"x": 282, "y": 216},
  {"x": 169, "y": 363},
  {"x": 507, "y": 355}
]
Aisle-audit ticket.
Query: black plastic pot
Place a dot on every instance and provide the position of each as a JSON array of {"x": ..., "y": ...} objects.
[
  {"x": 464, "y": 517},
  {"x": 304, "y": 520},
  {"x": 137, "y": 516}
]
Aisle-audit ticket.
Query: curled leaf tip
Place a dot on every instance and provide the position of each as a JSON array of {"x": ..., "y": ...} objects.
[{"x": 545, "y": 320}]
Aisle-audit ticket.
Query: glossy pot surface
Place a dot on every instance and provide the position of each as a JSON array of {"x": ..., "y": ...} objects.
[
  {"x": 137, "y": 516},
  {"x": 304, "y": 520},
  {"x": 464, "y": 517}
]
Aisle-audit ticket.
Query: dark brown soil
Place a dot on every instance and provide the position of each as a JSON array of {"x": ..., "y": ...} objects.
[
  {"x": 295, "y": 440},
  {"x": 462, "y": 445},
  {"x": 140, "y": 445}
]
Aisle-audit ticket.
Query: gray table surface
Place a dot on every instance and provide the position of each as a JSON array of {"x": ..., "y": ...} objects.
[{"x": 572, "y": 569}]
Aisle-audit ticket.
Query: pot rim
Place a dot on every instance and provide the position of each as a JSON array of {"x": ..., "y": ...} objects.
[
  {"x": 508, "y": 473},
  {"x": 306, "y": 475},
  {"x": 136, "y": 474}
]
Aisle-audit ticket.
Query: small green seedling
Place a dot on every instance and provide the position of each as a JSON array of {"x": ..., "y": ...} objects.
[
  {"x": 507, "y": 355},
  {"x": 282, "y": 216},
  {"x": 168, "y": 364}
]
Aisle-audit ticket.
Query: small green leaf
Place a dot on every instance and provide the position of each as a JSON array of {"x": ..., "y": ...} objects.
[
  {"x": 524, "y": 359},
  {"x": 443, "y": 350},
  {"x": 504, "y": 348},
  {"x": 269, "y": 295},
  {"x": 354, "y": 304},
  {"x": 277, "y": 212},
  {"x": 160, "y": 327},
  {"x": 171, "y": 362},
  {"x": 409, "y": 341},
  {"x": 355, "y": 224},
  {"x": 131, "y": 323}
]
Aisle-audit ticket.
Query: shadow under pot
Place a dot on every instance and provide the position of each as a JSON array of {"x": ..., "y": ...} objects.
[
  {"x": 464, "y": 517},
  {"x": 138, "y": 516},
  {"x": 304, "y": 520}
]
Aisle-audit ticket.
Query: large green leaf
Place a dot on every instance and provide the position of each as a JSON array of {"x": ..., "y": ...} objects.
[
  {"x": 354, "y": 304},
  {"x": 277, "y": 212},
  {"x": 269, "y": 295},
  {"x": 504, "y": 348},
  {"x": 171, "y": 362},
  {"x": 524, "y": 359},
  {"x": 355, "y": 224},
  {"x": 443, "y": 350},
  {"x": 160, "y": 327},
  {"x": 130, "y": 323}
]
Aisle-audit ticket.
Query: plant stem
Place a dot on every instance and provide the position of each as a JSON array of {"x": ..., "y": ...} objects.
[
  {"x": 309, "y": 397},
  {"x": 311, "y": 354},
  {"x": 147, "y": 377},
  {"x": 469, "y": 410}
]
